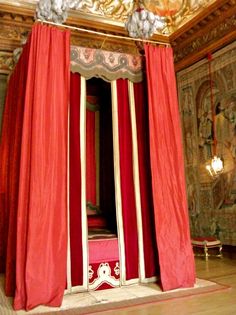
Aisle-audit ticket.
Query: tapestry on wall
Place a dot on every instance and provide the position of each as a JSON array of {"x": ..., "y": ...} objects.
[{"x": 211, "y": 200}]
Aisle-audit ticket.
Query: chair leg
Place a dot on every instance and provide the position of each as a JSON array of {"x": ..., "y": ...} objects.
[
  {"x": 206, "y": 252},
  {"x": 220, "y": 252}
]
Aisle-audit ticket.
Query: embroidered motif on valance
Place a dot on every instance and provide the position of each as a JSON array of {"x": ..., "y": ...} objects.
[{"x": 107, "y": 65}]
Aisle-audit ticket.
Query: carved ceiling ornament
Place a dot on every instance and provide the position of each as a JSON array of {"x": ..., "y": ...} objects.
[
  {"x": 6, "y": 62},
  {"x": 10, "y": 32},
  {"x": 175, "y": 12},
  {"x": 57, "y": 10}
]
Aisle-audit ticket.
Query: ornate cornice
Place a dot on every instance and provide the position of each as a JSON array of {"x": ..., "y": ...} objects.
[
  {"x": 11, "y": 36},
  {"x": 205, "y": 35},
  {"x": 14, "y": 27},
  {"x": 6, "y": 62},
  {"x": 205, "y": 40}
]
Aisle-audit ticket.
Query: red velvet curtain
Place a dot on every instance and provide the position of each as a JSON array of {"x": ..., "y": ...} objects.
[
  {"x": 10, "y": 149},
  {"x": 149, "y": 238},
  {"x": 90, "y": 158},
  {"x": 127, "y": 182},
  {"x": 75, "y": 184},
  {"x": 167, "y": 166},
  {"x": 34, "y": 191}
]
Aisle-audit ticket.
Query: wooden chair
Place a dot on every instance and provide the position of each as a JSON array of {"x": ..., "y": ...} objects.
[{"x": 206, "y": 243}]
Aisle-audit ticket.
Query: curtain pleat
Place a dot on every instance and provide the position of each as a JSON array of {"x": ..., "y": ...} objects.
[
  {"x": 127, "y": 181},
  {"x": 42, "y": 204},
  {"x": 15, "y": 151},
  {"x": 136, "y": 180},
  {"x": 75, "y": 184},
  {"x": 90, "y": 158},
  {"x": 10, "y": 149},
  {"x": 149, "y": 238},
  {"x": 167, "y": 166}
]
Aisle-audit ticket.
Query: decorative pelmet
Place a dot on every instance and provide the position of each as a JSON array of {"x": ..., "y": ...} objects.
[{"x": 106, "y": 65}]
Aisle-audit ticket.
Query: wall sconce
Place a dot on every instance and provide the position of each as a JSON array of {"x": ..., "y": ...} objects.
[{"x": 216, "y": 166}]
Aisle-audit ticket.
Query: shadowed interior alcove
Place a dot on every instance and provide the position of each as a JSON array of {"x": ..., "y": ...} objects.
[{"x": 100, "y": 190}]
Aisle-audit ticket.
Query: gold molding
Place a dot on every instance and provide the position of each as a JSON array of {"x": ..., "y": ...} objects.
[
  {"x": 206, "y": 35},
  {"x": 203, "y": 51},
  {"x": 6, "y": 62},
  {"x": 213, "y": 10},
  {"x": 176, "y": 13}
]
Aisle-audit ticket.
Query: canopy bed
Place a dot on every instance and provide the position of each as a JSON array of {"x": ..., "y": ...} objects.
[{"x": 119, "y": 220}]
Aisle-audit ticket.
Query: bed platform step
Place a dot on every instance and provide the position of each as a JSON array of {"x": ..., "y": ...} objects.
[{"x": 104, "y": 264}]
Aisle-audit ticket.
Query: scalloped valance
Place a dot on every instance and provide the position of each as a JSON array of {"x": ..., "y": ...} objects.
[{"x": 108, "y": 65}]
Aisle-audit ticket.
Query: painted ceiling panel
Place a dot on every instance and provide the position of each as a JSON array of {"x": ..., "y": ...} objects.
[{"x": 175, "y": 12}]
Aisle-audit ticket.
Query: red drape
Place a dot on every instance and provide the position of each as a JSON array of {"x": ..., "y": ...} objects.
[
  {"x": 106, "y": 167},
  {"x": 10, "y": 149},
  {"x": 36, "y": 151},
  {"x": 75, "y": 184},
  {"x": 149, "y": 238},
  {"x": 90, "y": 158},
  {"x": 167, "y": 165},
  {"x": 127, "y": 183}
]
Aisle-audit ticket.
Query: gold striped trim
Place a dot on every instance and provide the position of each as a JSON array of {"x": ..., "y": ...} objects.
[
  {"x": 118, "y": 198},
  {"x": 97, "y": 155},
  {"x": 68, "y": 267},
  {"x": 136, "y": 180},
  {"x": 83, "y": 178}
]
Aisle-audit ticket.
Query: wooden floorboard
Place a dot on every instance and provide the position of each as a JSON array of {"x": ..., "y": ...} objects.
[
  {"x": 219, "y": 303},
  {"x": 222, "y": 302}
]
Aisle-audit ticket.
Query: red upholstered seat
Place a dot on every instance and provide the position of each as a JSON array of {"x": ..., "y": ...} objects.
[
  {"x": 207, "y": 243},
  {"x": 96, "y": 221}
]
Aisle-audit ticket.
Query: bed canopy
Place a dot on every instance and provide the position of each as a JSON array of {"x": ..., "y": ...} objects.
[{"x": 46, "y": 137}]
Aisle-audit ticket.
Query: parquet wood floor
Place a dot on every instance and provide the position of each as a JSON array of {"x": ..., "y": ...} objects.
[{"x": 220, "y": 303}]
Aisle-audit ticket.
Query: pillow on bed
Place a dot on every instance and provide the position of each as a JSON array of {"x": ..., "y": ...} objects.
[{"x": 96, "y": 221}]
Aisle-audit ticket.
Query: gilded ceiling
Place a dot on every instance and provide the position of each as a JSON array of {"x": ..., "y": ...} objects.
[{"x": 175, "y": 12}]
